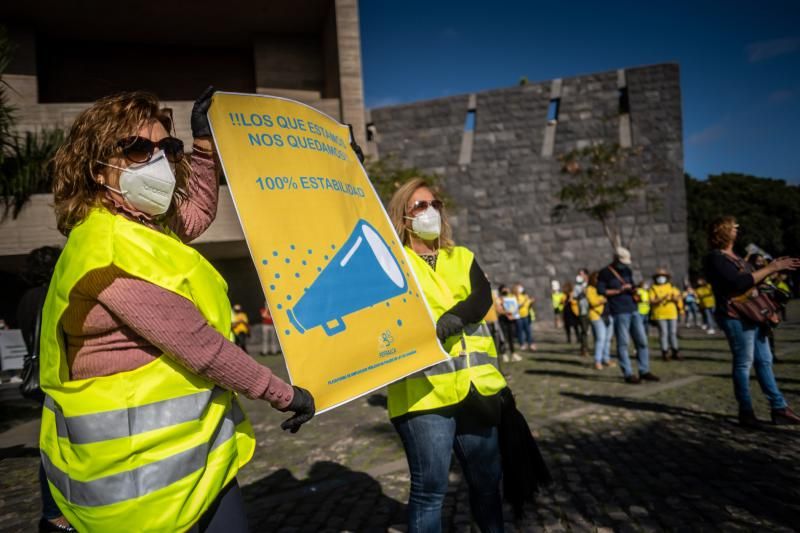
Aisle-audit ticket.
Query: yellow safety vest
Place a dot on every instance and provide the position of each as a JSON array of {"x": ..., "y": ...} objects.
[
  {"x": 706, "y": 296},
  {"x": 151, "y": 448},
  {"x": 473, "y": 355},
  {"x": 526, "y": 306},
  {"x": 597, "y": 303},
  {"x": 665, "y": 310},
  {"x": 644, "y": 301},
  {"x": 559, "y": 298}
]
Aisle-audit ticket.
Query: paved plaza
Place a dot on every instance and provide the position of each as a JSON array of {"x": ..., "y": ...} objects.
[{"x": 665, "y": 456}]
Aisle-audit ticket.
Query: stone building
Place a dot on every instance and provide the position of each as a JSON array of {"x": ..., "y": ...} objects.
[
  {"x": 498, "y": 149},
  {"x": 69, "y": 54}
]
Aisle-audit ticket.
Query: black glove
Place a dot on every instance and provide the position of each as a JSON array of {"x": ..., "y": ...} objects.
[
  {"x": 448, "y": 325},
  {"x": 200, "y": 125},
  {"x": 302, "y": 406},
  {"x": 354, "y": 145}
]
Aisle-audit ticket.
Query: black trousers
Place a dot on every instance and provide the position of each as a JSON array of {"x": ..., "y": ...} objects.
[{"x": 508, "y": 332}]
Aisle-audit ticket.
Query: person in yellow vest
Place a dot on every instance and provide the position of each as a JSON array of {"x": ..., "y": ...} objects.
[
  {"x": 643, "y": 304},
  {"x": 141, "y": 427},
  {"x": 492, "y": 322},
  {"x": 526, "y": 317},
  {"x": 240, "y": 326},
  {"x": 705, "y": 296},
  {"x": 667, "y": 304},
  {"x": 455, "y": 405},
  {"x": 602, "y": 327},
  {"x": 558, "y": 300}
]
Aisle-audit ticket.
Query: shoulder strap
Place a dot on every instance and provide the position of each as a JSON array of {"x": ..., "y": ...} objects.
[
  {"x": 616, "y": 275},
  {"x": 738, "y": 261}
]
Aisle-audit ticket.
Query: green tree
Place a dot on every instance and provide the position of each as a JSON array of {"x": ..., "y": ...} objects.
[
  {"x": 27, "y": 170},
  {"x": 602, "y": 178},
  {"x": 6, "y": 110},
  {"x": 768, "y": 212},
  {"x": 24, "y": 160}
]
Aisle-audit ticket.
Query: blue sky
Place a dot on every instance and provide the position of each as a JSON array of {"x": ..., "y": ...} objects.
[{"x": 740, "y": 63}]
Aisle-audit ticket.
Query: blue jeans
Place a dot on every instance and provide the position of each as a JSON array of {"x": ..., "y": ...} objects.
[
  {"x": 633, "y": 323},
  {"x": 429, "y": 441},
  {"x": 524, "y": 333},
  {"x": 750, "y": 347},
  {"x": 709, "y": 314},
  {"x": 602, "y": 338},
  {"x": 692, "y": 314},
  {"x": 668, "y": 334}
]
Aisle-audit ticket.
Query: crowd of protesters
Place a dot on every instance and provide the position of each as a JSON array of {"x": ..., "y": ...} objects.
[{"x": 174, "y": 323}]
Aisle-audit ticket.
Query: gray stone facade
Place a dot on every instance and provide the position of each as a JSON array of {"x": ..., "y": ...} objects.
[{"x": 505, "y": 193}]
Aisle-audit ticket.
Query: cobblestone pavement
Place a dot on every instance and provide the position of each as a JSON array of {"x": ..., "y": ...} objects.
[{"x": 650, "y": 457}]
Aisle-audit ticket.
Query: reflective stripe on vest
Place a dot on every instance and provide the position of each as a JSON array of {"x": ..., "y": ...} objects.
[
  {"x": 150, "y": 448},
  {"x": 454, "y": 364},
  {"x": 107, "y": 425},
  {"x": 140, "y": 481}
]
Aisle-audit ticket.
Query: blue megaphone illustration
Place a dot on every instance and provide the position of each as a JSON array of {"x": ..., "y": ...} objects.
[{"x": 363, "y": 273}]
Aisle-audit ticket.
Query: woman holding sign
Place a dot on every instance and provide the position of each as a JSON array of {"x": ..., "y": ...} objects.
[
  {"x": 454, "y": 405},
  {"x": 142, "y": 429}
]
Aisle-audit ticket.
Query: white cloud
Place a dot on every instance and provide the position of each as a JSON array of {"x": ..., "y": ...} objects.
[
  {"x": 706, "y": 135},
  {"x": 762, "y": 50}
]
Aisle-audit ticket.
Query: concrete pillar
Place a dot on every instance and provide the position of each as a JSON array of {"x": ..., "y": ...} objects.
[
  {"x": 624, "y": 118},
  {"x": 465, "y": 155},
  {"x": 550, "y": 128},
  {"x": 348, "y": 39}
]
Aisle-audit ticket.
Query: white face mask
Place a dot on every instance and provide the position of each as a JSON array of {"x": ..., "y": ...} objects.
[
  {"x": 147, "y": 187},
  {"x": 579, "y": 280},
  {"x": 427, "y": 225},
  {"x": 661, "y": 280}
]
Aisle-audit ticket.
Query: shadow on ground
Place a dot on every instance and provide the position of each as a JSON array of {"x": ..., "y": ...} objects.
[
  {"x": 333, "y": 497},
  {"x": 572, "y": 375},
  {"x": 696, "y": 471}
]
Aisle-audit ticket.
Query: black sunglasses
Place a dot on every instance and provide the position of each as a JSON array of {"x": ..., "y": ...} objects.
[
  {"x": 140, "y": 149},
  {"x": 421, "y": 205}
]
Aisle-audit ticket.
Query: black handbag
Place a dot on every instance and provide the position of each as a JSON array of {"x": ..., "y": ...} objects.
[
  {"x": 30, "y": 387},
  {"x": 524, "y": 469}
]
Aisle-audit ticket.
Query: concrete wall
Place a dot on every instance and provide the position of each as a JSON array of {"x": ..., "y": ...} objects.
[{"x": 505, "y": 189}]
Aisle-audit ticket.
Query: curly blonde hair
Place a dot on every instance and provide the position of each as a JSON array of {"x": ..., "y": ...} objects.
[
  {"x": 397, "y": 210},
  {"x": 719, "y": 232},
  {"x": 93, "y": 137}
]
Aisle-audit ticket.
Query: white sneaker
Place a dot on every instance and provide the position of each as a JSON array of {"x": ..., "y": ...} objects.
[
  {"x": 15, "y": 379},
  {"x": 704, "y": 326},
  {"x": 710, "y": 331},
  {"x": 515, "y": 357},
  {"x": 505, "y": 358}
]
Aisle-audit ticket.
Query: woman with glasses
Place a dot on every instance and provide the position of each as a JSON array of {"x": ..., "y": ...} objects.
[
  {"x": 142, "y": 429},
  {"x": 455, "y": 405},
  {"x": 732, "y": 278}
]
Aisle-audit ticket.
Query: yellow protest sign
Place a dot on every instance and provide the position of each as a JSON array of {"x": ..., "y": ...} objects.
[{"x": 348, "y": 310}]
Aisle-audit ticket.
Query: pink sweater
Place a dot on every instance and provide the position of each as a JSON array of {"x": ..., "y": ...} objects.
[{"x": 115, "y": 322}]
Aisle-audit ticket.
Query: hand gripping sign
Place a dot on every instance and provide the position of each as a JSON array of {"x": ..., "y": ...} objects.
[{"x": 349, "y": 313}]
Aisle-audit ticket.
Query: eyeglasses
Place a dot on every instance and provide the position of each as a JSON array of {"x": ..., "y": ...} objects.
[
  {"x": 140, "y": 149},
  {"x": 421, "y": 205}
]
